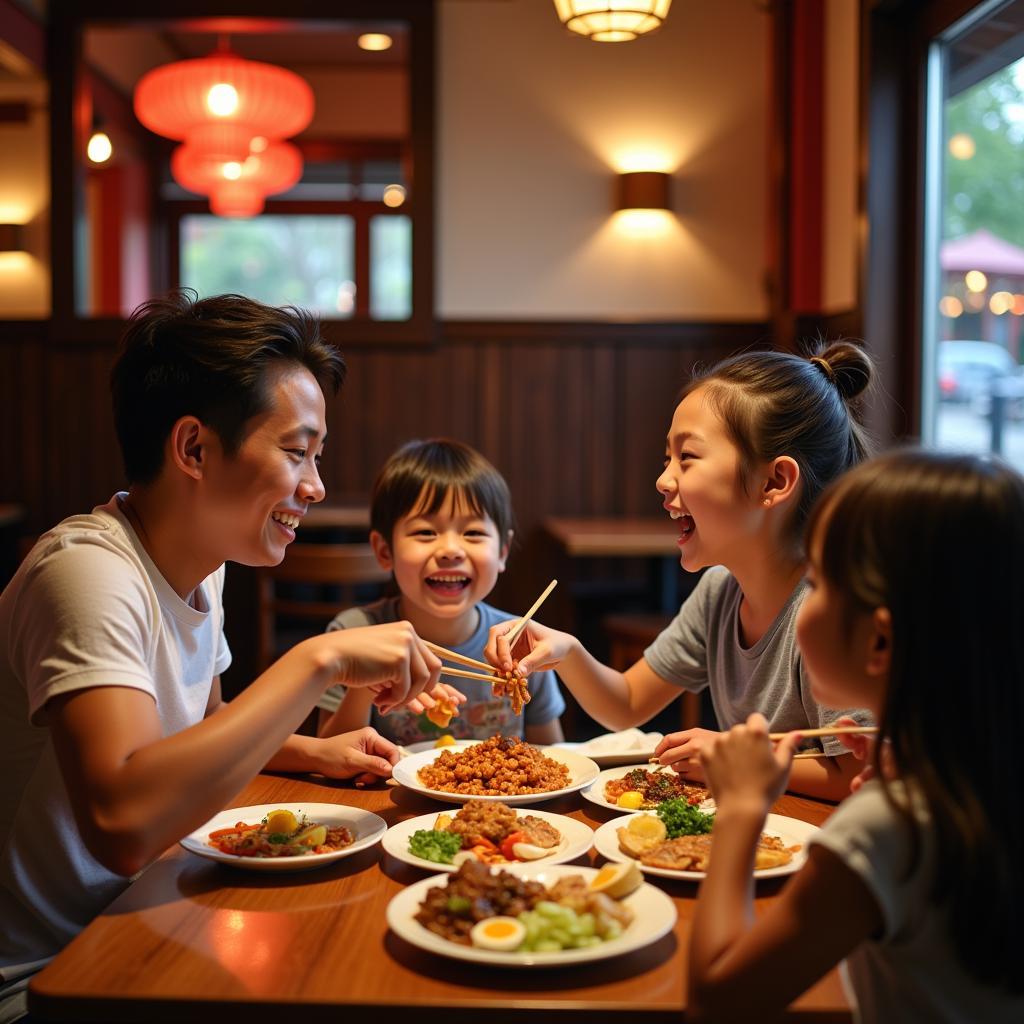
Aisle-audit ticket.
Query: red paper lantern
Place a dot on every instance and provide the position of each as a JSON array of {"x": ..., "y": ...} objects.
[
  {"x": 276, "y": 169},
  {"x": 236, "y": 199},
  {"x": 177, "y": 100}
]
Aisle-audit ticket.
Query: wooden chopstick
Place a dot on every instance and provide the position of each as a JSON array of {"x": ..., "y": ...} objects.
[
  {"x": 462, "y": 674},
  {"x": 841, "y": 730},
  {"x": 462, "y": 659},
  {"x": 513, "y": 634}
]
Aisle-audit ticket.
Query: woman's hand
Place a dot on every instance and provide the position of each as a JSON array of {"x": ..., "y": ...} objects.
[
  {"x": 743, "y": 769},
  {"x": 363, "y": 755},
  {"x": 537, "y": 648},
  {"x": 682, "y": 750},
  {"x": 390, "y": 659}
]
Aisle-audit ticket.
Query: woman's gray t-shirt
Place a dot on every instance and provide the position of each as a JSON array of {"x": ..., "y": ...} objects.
[{"x": 702, "y": 648}]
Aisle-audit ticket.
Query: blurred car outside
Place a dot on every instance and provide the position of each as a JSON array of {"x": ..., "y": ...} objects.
[{"x": 972, "y": 371}]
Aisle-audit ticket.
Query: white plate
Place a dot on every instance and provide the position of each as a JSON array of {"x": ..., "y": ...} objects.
[
  {"x": 654, "y": 914},
  {"x": 790, "y": 830},
  {"x": 367, "y": 828},
  {"x": 577, "y": 838},
  {"x": 595, "y": 791},
  {"x": 582, "y": 771},
  {"x": 605, "y": 752}
]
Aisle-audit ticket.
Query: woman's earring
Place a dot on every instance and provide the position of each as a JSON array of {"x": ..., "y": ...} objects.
[{"x": 767, "y": 501}]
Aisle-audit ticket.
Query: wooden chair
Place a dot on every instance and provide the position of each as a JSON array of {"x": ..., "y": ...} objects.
[
  {"x": 629, "y": 635},
  {"x": 313, "y": 575}
]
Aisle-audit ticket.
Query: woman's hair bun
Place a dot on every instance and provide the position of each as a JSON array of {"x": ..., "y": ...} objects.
[{"x": 846, "y": 365}]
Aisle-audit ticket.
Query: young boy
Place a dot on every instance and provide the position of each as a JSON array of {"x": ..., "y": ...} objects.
[
  {"x": 116, "y": 742},
  {"x": 441, "y": 521}
]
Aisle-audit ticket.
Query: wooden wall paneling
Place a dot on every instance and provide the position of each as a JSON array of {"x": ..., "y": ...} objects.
[
  {"x": 22, "y": 457},
  {"x": 78, "y": 425}
]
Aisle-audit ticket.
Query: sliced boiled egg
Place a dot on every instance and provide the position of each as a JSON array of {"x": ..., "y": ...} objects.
[
  {"x": 527, "y": 851},
  {"x": 617, "y": 880},
  {"x": 503, "y": 934}
]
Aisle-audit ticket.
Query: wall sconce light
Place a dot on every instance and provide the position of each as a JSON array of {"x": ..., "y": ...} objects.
[
  {"x": 643, "y": 190},
  {"x": 12, "y": 237}
]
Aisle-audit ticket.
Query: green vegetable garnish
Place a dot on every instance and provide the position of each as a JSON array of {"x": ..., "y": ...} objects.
[
  {"x": 683, "y": 819},
  {"x": 458, "y": 904},
  {"x": 438, "y": 846}
]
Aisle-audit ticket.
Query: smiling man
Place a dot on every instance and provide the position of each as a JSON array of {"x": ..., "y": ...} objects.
[{"x": 116, "y": 740}]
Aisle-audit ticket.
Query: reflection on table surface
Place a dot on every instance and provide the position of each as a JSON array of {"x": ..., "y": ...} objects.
[{"x": 194, "y": 940}]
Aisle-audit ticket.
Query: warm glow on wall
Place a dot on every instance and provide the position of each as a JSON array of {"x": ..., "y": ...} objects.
[
  {"x": 643, "y": 223},
  {"x": 643, "y": 158}
]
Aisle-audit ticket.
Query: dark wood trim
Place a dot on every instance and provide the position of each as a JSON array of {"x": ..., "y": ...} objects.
[
  {"x": 737, "y": 334},
  {"x": 23, "y": 33},
  {"x": 897, "y": 35},
  {"x": 807, "y": 177},
  {"x": 731, "y": 335},
  {"x": 777, "y": 277}
]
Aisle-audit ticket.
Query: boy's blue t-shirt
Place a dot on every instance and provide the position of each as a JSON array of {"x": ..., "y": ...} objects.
[{"x": 482, "y": 715}]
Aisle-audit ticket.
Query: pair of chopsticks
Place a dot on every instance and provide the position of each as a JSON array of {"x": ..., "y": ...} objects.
[
  {"x": 487, "y": 676},
  {"x": 511, "y": 636}
]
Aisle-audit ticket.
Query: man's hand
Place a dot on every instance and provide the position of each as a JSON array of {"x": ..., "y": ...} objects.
[{"x": 363, "y": 755}]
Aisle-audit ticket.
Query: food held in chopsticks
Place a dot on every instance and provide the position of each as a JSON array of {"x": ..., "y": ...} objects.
[
  {"x": 442, "y": 712},
  {"x": 641, "y": 789},
  {"x": 489, "y": 832},
  {"x": 280, "y": 834},
  {"x": 500, "y": 766},
  {"x": 513, "y": 687},
  {"x": 493, "y": 909}
]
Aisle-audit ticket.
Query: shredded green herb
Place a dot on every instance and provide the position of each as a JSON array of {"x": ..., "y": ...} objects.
[
  {"x": 438, "y": 846},
  {"x": 683, "y": 819}
]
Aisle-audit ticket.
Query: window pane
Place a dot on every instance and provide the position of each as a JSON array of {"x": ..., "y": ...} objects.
[
  {"x": 975, "y": 314},
  {"x": 304, "y": 261},
  {"x": 390, "y": 267}
]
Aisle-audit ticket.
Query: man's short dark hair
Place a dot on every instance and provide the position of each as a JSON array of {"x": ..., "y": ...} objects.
[{"x": 209, "y": 358}]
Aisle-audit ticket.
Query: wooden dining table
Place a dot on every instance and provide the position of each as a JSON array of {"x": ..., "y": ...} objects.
[{"x": 194, "y": 940}]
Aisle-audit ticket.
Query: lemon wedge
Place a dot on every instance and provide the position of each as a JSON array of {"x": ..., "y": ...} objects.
[
  {"x": 631, "y": 800},
  {"x": 282, "y": 822},
  {"x": 617, "y": 880},
  {"x": 647, "y": 826}
]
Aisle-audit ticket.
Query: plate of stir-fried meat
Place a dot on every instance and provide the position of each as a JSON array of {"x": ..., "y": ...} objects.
[{"x": 640, "y": 788}]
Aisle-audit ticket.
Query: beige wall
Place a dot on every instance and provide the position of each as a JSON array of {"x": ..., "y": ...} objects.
[
  {"x": 841, "y": 155},
  {"x": 25, "y": 199},
  {"x": 533, "y": 124}
]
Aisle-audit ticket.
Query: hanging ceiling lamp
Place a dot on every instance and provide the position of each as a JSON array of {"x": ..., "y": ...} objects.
[
  {"x": 223, "y": 98},
  {"x": 612, "y": 21},
  {"x": 276, "y": 169},
  {"x": 236, "y": 199}
]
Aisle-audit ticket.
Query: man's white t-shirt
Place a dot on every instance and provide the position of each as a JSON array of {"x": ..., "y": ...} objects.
[{"x": 86, "y": 608}]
